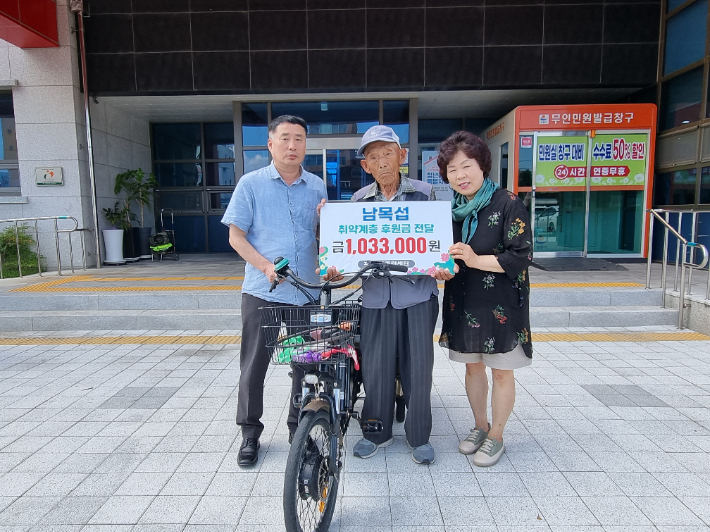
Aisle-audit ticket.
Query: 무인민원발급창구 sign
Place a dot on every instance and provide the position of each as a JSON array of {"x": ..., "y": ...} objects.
[{"x": 417, "y": 234}]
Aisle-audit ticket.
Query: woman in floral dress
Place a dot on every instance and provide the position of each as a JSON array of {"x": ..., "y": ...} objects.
[{"x": 486, "y": 305}]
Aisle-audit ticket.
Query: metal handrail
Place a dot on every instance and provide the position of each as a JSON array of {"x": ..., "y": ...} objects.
[
  {"x": 56, "y": 219},
  {"x": 683, "y": 264}
]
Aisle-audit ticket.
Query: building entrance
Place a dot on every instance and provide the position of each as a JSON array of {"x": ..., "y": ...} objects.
[
  {"x": 335, "y": 161},
  {"x": 584, "y": 172}
]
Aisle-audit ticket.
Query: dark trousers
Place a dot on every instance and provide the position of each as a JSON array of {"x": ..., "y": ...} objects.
[
  {"x": 253, "y": 363},
  {"x": 390, "y": 337}
]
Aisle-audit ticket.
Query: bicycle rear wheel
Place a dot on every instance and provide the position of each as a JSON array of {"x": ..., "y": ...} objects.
[{"x": 310, "y": 489}]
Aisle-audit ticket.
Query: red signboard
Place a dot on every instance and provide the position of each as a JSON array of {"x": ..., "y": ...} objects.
[
  {"x": 584, "y": 117},
  {"x": 29, "y": 23}
]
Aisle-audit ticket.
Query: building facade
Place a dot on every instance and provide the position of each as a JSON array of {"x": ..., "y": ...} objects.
[{"x": 186, "y": 88}]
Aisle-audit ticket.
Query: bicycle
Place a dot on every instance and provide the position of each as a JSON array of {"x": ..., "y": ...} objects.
[{"x": 323, "y": 339}]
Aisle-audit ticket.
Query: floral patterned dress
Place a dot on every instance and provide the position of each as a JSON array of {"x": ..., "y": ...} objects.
[{"x": 488, "y": 312}]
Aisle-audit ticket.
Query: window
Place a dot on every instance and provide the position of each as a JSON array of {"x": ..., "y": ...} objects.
[
  {"x": 504, "y": 166},
  {"x": 176, "y": 142},
  {"x": 525, "y": 161},
  {"x": 672, "y": 4},
  {"x": 9, "y": 172},
  {"x": 396, "y": 115},
  {"x": 332, "y": 118},
  {"x": 675, "y": 188},
  {"x": 254, "y": 124},
  {"x": 705, "y": 185},
  {"x": 436, "y": 131},
  {"x": 680, "y": 99},
  {"x": 685, "y": 37}
]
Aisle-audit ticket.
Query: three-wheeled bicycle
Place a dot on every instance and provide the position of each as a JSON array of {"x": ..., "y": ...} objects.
[{"x": 323, "y": 339}]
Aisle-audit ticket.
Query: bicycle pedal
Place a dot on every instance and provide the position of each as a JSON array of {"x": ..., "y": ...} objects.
[{"x": 371, "y": 425}]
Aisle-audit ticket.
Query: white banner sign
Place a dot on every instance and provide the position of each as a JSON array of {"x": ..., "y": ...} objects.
[
  {"x": 430, "y": 173},
  {"x": 417, "y": 234}
]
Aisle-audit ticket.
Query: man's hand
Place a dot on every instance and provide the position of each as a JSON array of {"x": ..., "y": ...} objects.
[
  {"x": 461, "y": 251},
  {"x": 270, "y": 271},
  {"x": 332, "y": 274},
  {"x": 320, "y": 206},
  {"x": 445, "y": 275}
]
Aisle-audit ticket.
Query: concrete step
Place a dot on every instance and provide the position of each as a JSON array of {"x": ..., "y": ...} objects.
[
  {"x": 162, "y": 319},
  {"x": 231, "y": 300},
  {"x": 620, "y": 316},
  {"x": 594, "y": 297},
  {"x": 88, "y": 320}
]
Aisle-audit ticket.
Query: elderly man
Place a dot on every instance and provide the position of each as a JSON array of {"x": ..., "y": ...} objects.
[
  {"x": 273, "y": 212},
  {"x": 398, "y": 316}
]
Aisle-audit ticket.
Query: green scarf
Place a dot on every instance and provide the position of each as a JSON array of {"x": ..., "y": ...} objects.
[{"x": 462, "y": 209}]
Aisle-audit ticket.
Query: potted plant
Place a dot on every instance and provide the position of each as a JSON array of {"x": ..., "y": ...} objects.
[
  {"x": 113, "y": 238},
  {"x": 139, "y": 189}
]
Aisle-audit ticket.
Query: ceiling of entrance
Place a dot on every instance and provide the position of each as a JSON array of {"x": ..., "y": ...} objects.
[{"x": 433, "y": 104}]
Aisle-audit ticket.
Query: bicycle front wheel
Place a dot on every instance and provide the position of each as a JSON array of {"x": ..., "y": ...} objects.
[{"x": 310, "y": 489}]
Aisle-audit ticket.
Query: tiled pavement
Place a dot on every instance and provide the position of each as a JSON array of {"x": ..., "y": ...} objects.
[{"x": 606, "y": 436}]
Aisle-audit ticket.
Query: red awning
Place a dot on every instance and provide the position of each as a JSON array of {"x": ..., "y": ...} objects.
[{"x": 29, "y": 23}]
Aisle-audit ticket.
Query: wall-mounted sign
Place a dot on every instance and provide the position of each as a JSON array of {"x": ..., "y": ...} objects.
[
  {"x": 561, "y": 161},
  {"x": 619, "y": 160},
  {"x": 583, "y": 117},
  {"x": 431, "y": 175},
  {"x": 49, "y": 176}
]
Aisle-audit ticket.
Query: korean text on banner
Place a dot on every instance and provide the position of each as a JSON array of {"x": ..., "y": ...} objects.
[
  {"x": 417, "y": 234},
  {"x": 431, "y": 175},
  {"x": 619, "y": 160},
  {"x": 561, "y": 161}
]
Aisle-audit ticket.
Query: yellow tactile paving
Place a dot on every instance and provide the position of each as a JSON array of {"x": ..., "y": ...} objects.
[
  {"x": 52, "y": 286},
  {"x": 235, "y": 339},
  {"x": 123, "y": 340},
  {"x": 582, "y": 285},
  {"x": 132, "y": 279},
  {"x": 130, "y": 288}
]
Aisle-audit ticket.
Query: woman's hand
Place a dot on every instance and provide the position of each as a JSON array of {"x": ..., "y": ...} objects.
[
  {"x": 445, "y": 275},
  {"x": 461, "y": 251},
  {"x": 332, "y": 274}
]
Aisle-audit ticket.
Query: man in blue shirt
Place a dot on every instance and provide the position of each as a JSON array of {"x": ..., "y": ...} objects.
[{"x": 273, "y": 213}]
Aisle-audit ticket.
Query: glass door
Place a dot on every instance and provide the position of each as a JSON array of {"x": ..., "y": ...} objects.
[
  {"x": 560, "y": 189},
  {"x": 335, "y": 161}
]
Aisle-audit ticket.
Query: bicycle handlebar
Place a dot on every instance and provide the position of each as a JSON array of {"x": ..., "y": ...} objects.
[{"x": 284, "y": 271}]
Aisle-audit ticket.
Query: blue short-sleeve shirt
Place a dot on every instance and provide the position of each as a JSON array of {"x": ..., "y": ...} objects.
[{"x": 279, "y": 221}]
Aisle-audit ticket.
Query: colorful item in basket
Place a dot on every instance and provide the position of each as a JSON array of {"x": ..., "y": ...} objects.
[
  {"x": 285, "y": 355},
  {"x": 309, "y": 357}
]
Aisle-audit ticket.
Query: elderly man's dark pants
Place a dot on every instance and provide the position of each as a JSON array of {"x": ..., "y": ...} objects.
[
  {"x": 389, "y": 336},
  {"x": 253, "y": 363}
]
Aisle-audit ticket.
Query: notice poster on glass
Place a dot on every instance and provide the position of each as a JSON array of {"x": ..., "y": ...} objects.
[
  {"x": 416, "y": 234},
  {"x": 619, "y": 160},
  {"x": 431, "y": 175},
  {"x": 561, "y": 161}
]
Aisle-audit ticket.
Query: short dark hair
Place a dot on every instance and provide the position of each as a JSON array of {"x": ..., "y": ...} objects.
[
  {"x": 276, "y": 122},
  {"x": 471, "y": 145}
]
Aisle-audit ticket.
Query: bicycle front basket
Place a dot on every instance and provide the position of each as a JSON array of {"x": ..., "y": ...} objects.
[{"x": 309, "y": 334}]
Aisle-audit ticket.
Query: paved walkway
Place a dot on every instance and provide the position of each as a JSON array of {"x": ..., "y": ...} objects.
[{"x": 123, "y": 436}]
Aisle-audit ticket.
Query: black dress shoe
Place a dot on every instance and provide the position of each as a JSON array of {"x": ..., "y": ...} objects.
[{"x": 248, "y": 452}]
